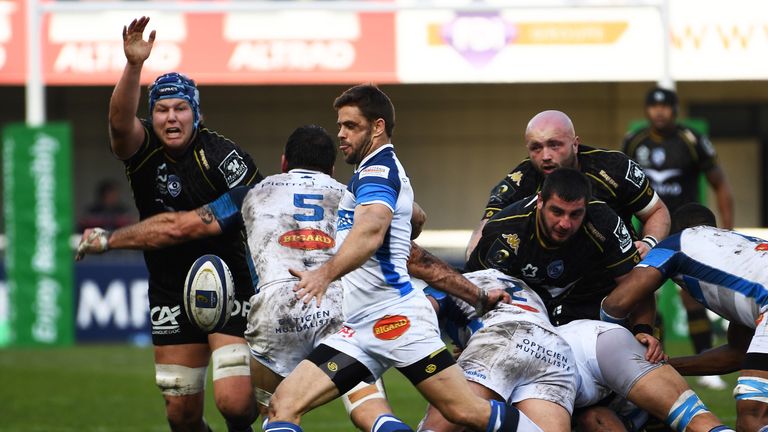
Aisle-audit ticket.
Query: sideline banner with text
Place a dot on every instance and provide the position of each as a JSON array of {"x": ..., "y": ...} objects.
[{"x": 37, "y": 203}]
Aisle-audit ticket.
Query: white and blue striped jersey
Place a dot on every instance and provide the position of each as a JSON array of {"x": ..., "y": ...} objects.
[
  {"x": 383, "y": 279},
  {"x": 459, "y": 321},
  {"x": 724, "y": 270},
  {"x": 290, "y": 220}
]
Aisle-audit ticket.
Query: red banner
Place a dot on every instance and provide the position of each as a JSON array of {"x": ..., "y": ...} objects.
[
  {"x": 12, "y": 42},
  {"x": 286, "y": 47}
]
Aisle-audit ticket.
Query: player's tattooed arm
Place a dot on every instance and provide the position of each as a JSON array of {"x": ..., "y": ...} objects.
[
  {"x": 440, "y": 275},
  {"x": 206, "y": 215},
  {"x": 157, "y": 232}
]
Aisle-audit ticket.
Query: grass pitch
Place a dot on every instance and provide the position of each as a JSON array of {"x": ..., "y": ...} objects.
[{"x": 111, "y": 388}]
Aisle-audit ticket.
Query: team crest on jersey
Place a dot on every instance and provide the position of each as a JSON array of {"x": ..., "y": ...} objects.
[
  {"x": 306, "y": 239},
  {"x": 622, "y": 234},
  {"x": 516, "y": 177},
  {"x": 635, "y": 174},
  {"x": 513, "y": 241},
  {"x": 555, "y": 269},
  {"x": 391, "y": 327},
  {"x": 643, "y": 155},
  {"x": 233, "y": 168},
  {"x": 761, "y": 247},
  {"x": 174, "y": 185},
  {"x": 658, "y": 156},
  {"x": 500, "y": 256},
  {"x": 530, "y": 271},
  {"x": 375, "y": 171}
]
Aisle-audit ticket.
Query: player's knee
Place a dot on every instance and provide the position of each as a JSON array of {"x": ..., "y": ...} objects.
[{"x": 183, "y": 413}]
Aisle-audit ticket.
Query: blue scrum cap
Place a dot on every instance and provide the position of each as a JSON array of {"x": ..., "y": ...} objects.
[{"x": 174, "y": 85}]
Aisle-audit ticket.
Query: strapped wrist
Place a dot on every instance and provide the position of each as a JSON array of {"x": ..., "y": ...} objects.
[{"x": 650, "y": 241}]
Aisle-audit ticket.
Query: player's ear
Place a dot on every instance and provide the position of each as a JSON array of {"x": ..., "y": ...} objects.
[
  {"x": 283, "y": 164},
  {"x": 539, "y": 201}
]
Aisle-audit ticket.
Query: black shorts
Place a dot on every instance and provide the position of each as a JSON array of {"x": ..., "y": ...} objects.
[{"x": 170, "y": 325}]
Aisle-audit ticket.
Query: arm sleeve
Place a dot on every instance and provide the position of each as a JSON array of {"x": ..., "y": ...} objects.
[
  {"x": 705, "y": 152},
  {"x": 664, "y": 257},
  {"x": 635, "y": 191},
  {"x": 226, "y": 208},
  {"x": 370, "y": 192}
]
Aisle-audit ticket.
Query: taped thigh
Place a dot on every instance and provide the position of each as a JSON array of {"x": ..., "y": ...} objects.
[
  {"x": 177, "y": 380},
  {"x": 376, "y": 391},
  {"x": 751, "y": 388},
  {"x": 231, "y": 360}
]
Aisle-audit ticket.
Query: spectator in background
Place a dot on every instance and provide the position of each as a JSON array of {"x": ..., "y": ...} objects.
[
  {"x": 107, "y": 210},
  {"x": 673, "y": 157}
]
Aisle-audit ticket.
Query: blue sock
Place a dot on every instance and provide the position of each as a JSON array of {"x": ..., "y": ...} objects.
[
  {"x": 279, "y": 426},
  {"x": 389, "y": 423},
  {"x": 504, "y": 418}
]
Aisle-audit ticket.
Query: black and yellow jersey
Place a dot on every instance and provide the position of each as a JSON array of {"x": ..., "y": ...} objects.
[
  {"x": 616, "y": 180},
  {"x": 584, "y": 268},
  {"x": 211, "y": 166},
  {"x": 672, "y": 162}
]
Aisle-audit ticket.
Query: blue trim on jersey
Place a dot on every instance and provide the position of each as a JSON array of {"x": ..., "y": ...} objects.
[
  {"x": 388, "y": 267},
  {"x": 346, "y": 218},
  {"x": 702, "y": 272},
  {"x": 370, "y": 192},
  {"x": 226, "y": 208},
  {"x": 439, "y": 296},
  {"x": 671, "y": 261}
]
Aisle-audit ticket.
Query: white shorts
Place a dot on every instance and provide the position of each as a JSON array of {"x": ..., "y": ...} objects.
[
  {"x": 520, "y": 360},
  {"x": 759, "y": 342},
  {"x": 398, "y": 335},
  {"x": 282, "y": 331}
]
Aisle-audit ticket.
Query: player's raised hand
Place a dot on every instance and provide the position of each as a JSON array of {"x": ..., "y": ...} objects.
[
  {"x": 94, "y": 241},
  {"x": 311, "y": 284},
  {"x": 135, "y": 47}
]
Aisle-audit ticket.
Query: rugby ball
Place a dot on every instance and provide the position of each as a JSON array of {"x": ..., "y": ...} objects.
[{"x": 209, "y": 293}]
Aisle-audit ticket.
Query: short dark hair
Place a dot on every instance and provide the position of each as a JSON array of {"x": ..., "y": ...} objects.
[
  {"x": 691, "y": 215},
  {"x": 372, "y": 102},
  {"x": 568, "y": 183},
  {"x": 310, "y": 147},
  {"x": 662, "y": 96}
]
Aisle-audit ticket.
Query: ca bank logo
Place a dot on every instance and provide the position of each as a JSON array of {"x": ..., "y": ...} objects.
[{"x": 164, "y": 317}]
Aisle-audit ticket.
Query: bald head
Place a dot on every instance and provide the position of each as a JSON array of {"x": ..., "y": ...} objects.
[
  {"x": 551, "y": 119},
  {"x": 551, "y": 141}
]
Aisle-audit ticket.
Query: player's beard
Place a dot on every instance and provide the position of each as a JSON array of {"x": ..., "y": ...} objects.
[{"x": 358, "y": 153}]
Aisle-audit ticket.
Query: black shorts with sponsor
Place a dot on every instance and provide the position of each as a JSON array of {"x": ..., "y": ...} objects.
[{"x": 171, "y": 326}]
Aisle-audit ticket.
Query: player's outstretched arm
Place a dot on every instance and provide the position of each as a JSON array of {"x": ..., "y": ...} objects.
[
  {"x": 439, "y": 275},
  {"x": 720, "y": 360},
  {"x": 125, "y": 130},
  {"x": 156, "y": 232},
  {"x": 633, "y": 288}
]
